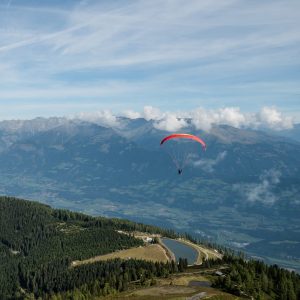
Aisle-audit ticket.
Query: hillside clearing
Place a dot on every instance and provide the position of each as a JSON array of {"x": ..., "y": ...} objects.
[
  {"x": 175, "y": 287},
  {"x": 154, "y": 253}
]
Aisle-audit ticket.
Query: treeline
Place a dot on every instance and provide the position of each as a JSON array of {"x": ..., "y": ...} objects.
[
  {"x": 117, "y": 224},
  {"x": 254, "y": 278}
]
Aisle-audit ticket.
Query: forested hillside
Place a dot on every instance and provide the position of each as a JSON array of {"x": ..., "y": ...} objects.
[
  {"x": 38, "y": 244},
  {"x": 255, "y": 278}
]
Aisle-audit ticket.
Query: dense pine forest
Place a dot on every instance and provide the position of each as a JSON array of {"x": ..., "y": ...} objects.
[
  {"x": 254, "y": 278},
  {"x": 38, "y": 244}
]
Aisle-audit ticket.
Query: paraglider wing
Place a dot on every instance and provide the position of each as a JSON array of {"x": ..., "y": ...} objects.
[
  {"x": 184, "y": 136},
  {"x": 181, "y": 147}
]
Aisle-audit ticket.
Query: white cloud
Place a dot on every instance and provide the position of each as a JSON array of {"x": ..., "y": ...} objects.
[
  {"x": 272, "y": 118},
  {"x": 208, "y": 164},
  {"x": 268, "y": 117},
  {"x": 152, "y": 113},
  {"x": 232, "y": 116},
  {"x": 170, "y": 122},
  {"x": 263, "y": 190},
  {"x": 131, "y": 114},
  {"x": 104, "y": 117},
  {"x": 205, "y": 119}
]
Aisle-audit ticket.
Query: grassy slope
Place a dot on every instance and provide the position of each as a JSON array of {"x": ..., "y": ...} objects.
[{"x": 150, "y": 252}]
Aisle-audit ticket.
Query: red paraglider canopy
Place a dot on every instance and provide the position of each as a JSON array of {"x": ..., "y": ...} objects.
[{"x": 184, "y": 136}]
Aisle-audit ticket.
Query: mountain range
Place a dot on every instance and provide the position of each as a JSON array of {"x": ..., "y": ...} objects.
[{"x": 242, "y": 192}]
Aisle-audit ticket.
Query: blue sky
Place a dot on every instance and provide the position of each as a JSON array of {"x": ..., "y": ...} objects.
[{"x": 67, "y": 57}]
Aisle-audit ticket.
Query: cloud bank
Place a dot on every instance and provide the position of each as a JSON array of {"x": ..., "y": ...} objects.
[
  {"x": 152, "y": 113},
  {"x": 268, "y": 117},
  {"x": 170, "y": 122},
  {"x": 272, "y": 118},
  {"x": 131, "y": 114},
  {"x": 204, "y": 119},
  {"x": 200, "y": 118},
  {"x": 103, "y": 117}
]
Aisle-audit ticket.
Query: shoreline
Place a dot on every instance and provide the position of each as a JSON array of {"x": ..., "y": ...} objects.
[{"x": 169, "y": 253}]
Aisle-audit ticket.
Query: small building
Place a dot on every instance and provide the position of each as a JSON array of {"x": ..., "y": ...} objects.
[{"x": 219, "y": 273}]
